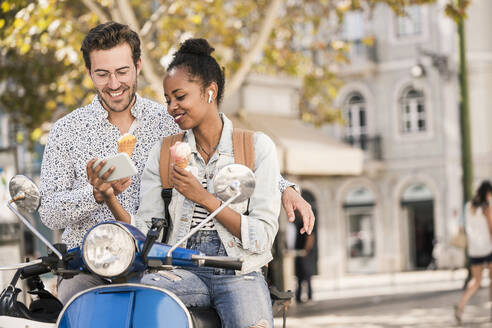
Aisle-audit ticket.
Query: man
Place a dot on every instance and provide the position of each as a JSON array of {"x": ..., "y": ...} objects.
[{"x": 111, "y": 53}]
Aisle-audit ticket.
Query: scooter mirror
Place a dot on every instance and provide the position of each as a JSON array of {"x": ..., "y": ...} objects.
[
  {"x": 24, "y": 193},
  {"x": 233, "y": 178}
]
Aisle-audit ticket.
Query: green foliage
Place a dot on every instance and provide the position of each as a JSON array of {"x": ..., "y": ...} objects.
[
  {"x": 45, "y": 74},
  {"x": 40, "y": 64},
  {"x": 456, "y": 9}
]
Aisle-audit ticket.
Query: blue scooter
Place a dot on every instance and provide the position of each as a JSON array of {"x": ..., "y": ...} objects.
[{"x": 121, "y": 253}]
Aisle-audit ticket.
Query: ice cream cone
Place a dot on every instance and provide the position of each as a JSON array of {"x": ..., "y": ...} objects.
[
  {"x": 126, "y": 144},
  {"x": 181, "y": 154},
  {"x": 184, "y": 163}
]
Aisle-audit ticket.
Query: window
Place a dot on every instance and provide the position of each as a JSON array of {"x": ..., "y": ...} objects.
[
  {"x": 356, "y": 119},
  {"x": 412, "y": 110},
  {"x": 410, "y": 24},
  {"x": 359, "y": 211},
  {"x": 353, "y": 26},
  {"x": 354, "y": 32},
  {"x": 361, "y": 236}
]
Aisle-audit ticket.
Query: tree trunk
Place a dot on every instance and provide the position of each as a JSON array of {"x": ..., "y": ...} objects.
[{"x": 264, "y": 33}]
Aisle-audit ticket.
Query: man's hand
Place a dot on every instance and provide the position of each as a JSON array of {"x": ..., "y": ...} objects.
[
  {"x": 101, "y": 189},
  {"x": 120, "y": 185},
  {"x": 97, "y": 196},
  {"x": 291, "y": 200}
]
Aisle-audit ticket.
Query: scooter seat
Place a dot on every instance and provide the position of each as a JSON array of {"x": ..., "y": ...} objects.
[{"x": 204, "y": 317}]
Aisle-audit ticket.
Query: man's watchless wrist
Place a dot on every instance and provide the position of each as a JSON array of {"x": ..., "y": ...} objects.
[{"x": 296, "y": 188}]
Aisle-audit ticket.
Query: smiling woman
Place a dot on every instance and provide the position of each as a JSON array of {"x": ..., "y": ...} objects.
[{"x": 193, "y": 87}]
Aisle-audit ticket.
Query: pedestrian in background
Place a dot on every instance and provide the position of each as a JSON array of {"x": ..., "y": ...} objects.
[
  {"x": 478, "y": 227},
  {"x": 304, "y": 262}
]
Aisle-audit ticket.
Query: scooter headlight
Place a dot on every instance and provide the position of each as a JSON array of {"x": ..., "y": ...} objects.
[{"x": 108, "y": 250}]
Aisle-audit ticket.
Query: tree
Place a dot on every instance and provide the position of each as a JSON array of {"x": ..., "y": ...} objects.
[{"x": 41, "y": 65}]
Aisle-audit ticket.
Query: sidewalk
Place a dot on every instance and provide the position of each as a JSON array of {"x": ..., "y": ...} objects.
[
  {"x": 360, "y": 290},
  {"x": 354, "y": 286}
]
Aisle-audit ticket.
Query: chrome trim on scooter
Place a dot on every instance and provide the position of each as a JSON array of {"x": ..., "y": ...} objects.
[
  {"x": 135, "y": 244},
  {"x": 127, "y": 231},
  {"x": 19, "y": 265},
  {"x": 205, "y": 221},
  {"x": 33, "y": 230}
]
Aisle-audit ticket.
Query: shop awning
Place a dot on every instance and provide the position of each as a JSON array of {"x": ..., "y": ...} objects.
[{"x": 303, "y": 149}]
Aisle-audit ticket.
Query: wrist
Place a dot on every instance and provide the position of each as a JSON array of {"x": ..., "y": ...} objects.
[
  {"x": 212, "y": 203},
  {"x": 109, "y": 197},
  {"x": 296, "y": 188}
]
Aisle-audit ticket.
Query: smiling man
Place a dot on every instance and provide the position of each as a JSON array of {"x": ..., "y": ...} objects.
[
  {"x": 111, "y": 54},
  {"x": 115, "y": 81}
]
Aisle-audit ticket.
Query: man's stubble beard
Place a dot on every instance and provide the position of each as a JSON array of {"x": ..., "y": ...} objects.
[{"x": 133, "y": 89}]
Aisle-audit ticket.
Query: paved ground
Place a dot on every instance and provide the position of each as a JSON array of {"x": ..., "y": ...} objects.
[{"x": 416, "y": 310}]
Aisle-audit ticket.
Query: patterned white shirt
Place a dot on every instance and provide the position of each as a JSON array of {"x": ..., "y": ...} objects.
[{"x": 67, "y": 201}]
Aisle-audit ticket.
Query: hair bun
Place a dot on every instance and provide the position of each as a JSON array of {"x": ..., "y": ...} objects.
[{"x": 196, "y": 46}]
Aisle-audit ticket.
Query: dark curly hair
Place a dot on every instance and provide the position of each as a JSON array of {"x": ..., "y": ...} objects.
[
  {"x": 480, "y": 198},
  {"x": 109, "y": 35},
  {"x": 195, "y": 56}
]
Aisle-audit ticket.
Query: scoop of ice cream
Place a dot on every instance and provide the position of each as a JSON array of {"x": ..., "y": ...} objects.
[
  {"x": 126, "y": 144},
  {"x": 181, "y": 153},
  {"x": 126, "y": 137}
]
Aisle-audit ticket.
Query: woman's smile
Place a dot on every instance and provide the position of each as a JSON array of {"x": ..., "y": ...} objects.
[{"x": 178, "y": 117}]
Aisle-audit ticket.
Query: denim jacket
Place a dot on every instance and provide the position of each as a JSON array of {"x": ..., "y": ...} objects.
[{"x": 258, "y": 228}]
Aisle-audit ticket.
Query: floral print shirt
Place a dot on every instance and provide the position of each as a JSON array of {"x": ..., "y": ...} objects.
[{"x": 67, "y": 201}]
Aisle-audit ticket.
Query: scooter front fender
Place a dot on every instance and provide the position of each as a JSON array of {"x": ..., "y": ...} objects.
[{"x": 125, "y": 305}]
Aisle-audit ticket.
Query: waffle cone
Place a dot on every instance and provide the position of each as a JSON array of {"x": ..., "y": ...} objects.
[
  {"x": 127, "y": 144},
  {"x": 184, "y": 163}
]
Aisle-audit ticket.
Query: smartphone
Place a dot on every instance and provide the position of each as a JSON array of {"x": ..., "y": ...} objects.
[{"x": 124, "y": 167}]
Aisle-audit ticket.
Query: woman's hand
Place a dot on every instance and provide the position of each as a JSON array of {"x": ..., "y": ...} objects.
[{"x": 188, "y": 185}]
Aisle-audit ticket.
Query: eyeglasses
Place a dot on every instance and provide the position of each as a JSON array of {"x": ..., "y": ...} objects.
[{"x": 103, "y": 77}]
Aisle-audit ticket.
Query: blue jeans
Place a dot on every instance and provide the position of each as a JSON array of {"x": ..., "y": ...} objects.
[
  {"x": 240, "y": 300},
  {"x": 68, "y": 288}
]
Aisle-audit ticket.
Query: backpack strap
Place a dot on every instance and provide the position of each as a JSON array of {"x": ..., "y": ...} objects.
[
  {"x": 243, "y": 145},
  {"x": 244, "y": 148},
  {"x": 165, "y": 161}
]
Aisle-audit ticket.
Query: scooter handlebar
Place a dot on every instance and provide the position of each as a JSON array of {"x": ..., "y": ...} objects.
[
  {"x": 34, "y": 270},
  {"x": 223, "y": 262}
]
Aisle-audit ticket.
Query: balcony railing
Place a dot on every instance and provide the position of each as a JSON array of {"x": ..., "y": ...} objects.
[
  {"x": 371, "y": 145},
  {"x": 360, "y": 52}
]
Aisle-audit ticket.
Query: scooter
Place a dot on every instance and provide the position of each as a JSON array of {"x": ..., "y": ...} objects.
[{"x": 121, "y": 253}]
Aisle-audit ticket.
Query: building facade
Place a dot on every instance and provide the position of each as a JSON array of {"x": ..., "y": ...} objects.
[{"x": 400, "y": 102}]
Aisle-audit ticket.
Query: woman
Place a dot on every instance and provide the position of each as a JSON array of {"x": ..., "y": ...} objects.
[
  {"x": 193, "y": 87},
  {"x": 478, "y": 226}
]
